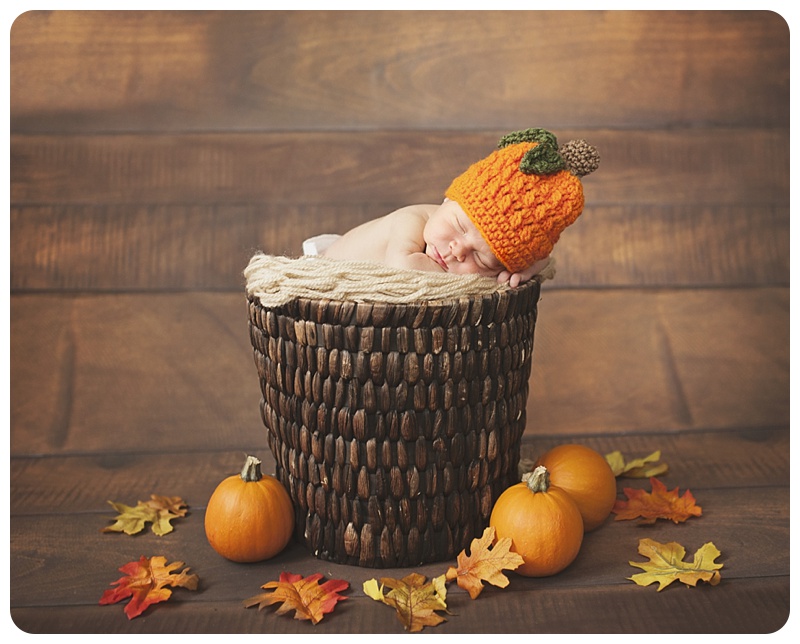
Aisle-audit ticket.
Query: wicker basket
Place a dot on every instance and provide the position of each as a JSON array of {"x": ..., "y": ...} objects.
[{"x": 395, "y": 426}]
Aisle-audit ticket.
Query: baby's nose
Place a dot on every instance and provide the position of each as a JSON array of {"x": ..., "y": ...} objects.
[{"x": 457, "y": 250}]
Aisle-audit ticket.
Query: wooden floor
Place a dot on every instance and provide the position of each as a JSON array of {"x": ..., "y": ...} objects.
[
  {"x": 143, "y": 409},
  {"x": 152, "y": 153},
  {"x": 61, "y": 563}
]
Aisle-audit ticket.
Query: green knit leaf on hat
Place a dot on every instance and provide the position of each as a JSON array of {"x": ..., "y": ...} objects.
[
  {"x": 544, "y": 158},
  {"x": 531, "y": 135}
]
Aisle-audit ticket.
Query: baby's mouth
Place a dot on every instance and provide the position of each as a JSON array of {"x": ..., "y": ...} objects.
[{"x": 438, "y": 258}]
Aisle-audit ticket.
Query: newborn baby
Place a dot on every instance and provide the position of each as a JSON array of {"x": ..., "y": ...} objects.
[
  {"x": 500, "y": 218},
  {"x": 427, "y": 237}
]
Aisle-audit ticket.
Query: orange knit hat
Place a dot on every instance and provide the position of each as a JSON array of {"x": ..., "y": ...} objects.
[{"x": 525, "y": 193}]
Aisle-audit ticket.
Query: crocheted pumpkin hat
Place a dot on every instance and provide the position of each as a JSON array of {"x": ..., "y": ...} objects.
[{"x": 524, "y": 194}]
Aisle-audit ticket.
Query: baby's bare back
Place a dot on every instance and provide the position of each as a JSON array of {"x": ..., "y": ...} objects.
[
  {"x": 381, "y": 240},
  {"x": 366, "y": 242}
]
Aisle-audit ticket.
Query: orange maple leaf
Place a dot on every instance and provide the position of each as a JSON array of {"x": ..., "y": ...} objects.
[
  {"x": 660, "y": 504},
  {"x": 309, "y": 599},
  {"x": 483, "y": 564},
  {"x": 146, "y": 583}
]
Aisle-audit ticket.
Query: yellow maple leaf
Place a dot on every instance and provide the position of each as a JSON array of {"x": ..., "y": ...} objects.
[
  {"x": 373, "y": 591},
  {"x": 158, "y": 511},
  {"x": 414, "y": 599},
  {"x": 483, "y": 564},
  {"x": 129, "y": 519},
  {"x": 305, "y": 596},
  {"x": 640, "y": 468},
  {"x": 666, "y": 564}
]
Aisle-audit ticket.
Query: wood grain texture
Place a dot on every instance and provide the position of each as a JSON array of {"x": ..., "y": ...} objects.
[
  {"x": 737, "y": 606},
  {"x": 166, "y": 212},
  {"x": 46, "y": 555},
  {"x": 47, "y": 546},
  {"x": 153, "y": 152},
  {"x": 699, "y": 167},
  {"x": 194, "y": 247},
  {"x": 664, "y": 359},
  {"x": 178, "y": 71},
  {"x": 76, "y": 484},
  {"x": 111, "y": 372}
]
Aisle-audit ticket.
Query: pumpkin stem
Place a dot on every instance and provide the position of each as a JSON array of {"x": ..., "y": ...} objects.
[
  {"x": 538, "y": 480},
  {"x": 251, "y": 472}
]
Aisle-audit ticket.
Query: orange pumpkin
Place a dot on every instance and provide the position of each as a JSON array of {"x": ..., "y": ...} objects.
[
  {"x": 588, "y": 479},
  {"x": 543, "y": 523},
  {"x": 249, "y": 516}
]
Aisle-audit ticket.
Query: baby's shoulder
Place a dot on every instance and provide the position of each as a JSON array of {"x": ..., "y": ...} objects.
[{"x": 416, "y": 214}]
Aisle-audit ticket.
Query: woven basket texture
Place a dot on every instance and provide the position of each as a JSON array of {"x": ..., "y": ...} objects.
[{"x": 395, "y": 427}]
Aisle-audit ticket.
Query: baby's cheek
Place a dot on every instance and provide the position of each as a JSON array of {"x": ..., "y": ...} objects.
[
  {"x": 460, "y": 268},
  {"x": 470, "y": 267}
]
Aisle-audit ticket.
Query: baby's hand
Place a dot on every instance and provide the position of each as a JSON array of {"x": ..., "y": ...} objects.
[
  {"x": 503, "y": 277},
  {"x": 515, "y": 279}
]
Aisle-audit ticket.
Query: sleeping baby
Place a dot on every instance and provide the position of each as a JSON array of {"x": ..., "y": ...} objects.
[{"x": 500, "y": 218}]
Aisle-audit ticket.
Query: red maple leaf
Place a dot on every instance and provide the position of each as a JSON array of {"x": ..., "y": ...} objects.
[
  {"x": 309, "y": 599},
  {"x": 146, "y": 583}
]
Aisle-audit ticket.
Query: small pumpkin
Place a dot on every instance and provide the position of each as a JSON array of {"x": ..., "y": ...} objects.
[
  {"x": 543, "y": 523},
  {"x": 249, "y": 515},
  {"x": 587, "y": 477}
]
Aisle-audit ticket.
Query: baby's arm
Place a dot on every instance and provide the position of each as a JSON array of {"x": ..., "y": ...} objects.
[
  {"x": 395, "y": 239},
  {"x": 405, "y": 245}
]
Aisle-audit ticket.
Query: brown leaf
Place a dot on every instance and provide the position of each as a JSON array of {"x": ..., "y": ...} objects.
[
  {"x": 525, "y": 465},
  {"x": 483, "y": 564},
  {"x": 158, "y": 511},
  {"x": 666, "y": 565},
  {"x": 660, "y": 504},
  {"x": 309, "y": 599},
  {"x": 146, "y": 583},
  {"x": 414, "y": 599},
  {"x": 173, "y": 505}
]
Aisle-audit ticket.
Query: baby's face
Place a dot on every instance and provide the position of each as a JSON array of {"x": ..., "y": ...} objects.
[{"x": 453, "y": 242}]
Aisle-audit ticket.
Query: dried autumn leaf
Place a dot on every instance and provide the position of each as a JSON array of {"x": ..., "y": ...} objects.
[
  {"x": 666, "y": 564},
  {"x": 483, "y": 564},
  {"x": 168, "y": 508},
  {"x": 637, "y": 468},
  {"x": 660, "y": 504},
  {"x": 131, "y": 520},
  {"x": 414, "y": 599},
  {"x": 174, "y": 505},
  {"x": 158, "y": 511},
  {"x": 372, "y": 590},
  {"x": 146, "y": 583},
  {"x": 306, "y": 596}
]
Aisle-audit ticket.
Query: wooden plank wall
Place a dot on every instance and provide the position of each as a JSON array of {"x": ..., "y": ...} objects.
[{"x": 153, "y": 152}]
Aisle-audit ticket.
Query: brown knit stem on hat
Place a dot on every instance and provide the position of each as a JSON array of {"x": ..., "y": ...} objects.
[{"x": 580, "y": 157}]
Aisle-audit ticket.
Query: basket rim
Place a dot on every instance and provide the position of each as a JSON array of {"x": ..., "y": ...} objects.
[{"x": 518, "y": 291}]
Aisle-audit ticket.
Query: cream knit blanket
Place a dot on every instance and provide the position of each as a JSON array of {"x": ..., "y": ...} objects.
[{"x": 275, "y": 280}]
